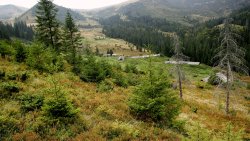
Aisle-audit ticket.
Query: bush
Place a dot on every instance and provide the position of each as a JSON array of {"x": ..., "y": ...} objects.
[
  {"x": 24, "y": 76},
  {"x": 6, "y": 49},
  {"x": 131, "y": 68},
  {"x": 214, "y": 80},
  {"x": 120, "y": 80},
  {"x": 93, "y": 70},
  {"x": 133, "y": 80},
  {"x": 105, "y": 86},
  {"x": 198, "y": 134},
  {"x": 248, "y": 86},
  {"x": 8, "y": 126},
  {"x": 59, "y": 108},
  {"x": 78, "y": 65},
  {"x": 2, "y": 75},
  {"x": 151, "y": 101},
  {"x": 111, "y": 134},
  {"x": 12, "y": 76},
  {"x": 45, "y": 60},
  {"x": 20, "y": 54},
  {"x": 231, "y": 135},
  {"x": 30, "y": 102},
  {"x": 179, "y": 126},
  {"x": 8, "y": 89}
]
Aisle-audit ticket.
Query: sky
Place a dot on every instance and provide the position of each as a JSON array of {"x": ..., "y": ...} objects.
[{"x": 74, "y": 4}]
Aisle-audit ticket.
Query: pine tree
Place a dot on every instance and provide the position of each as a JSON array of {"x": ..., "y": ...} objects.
[
  {"x": 71, "y": 39},
  {"x": 47, "y": 30},
  {"x": 153, "y": 100}
]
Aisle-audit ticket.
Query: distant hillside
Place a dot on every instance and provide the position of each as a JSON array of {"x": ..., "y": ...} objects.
[
  {"x": 10, "y": 11},
  {"x": 29, "y": 16},
  {"x": 174, "y": 10}
]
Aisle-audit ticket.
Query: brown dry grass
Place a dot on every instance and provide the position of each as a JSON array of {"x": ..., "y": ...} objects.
[{"x": 108, "y": 113}]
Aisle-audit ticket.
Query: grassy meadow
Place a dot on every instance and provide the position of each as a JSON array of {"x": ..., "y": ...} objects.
[{"x": 106, "y": 116}]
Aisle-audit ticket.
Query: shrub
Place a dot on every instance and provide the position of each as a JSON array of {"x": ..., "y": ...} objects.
[
  {"x": 59, "y": 108},
  {"x": 20, "y": 54},
  {"x": 93, "y": 70},
  {"x": 248, "y": 86},
  {"x": 8, "y": 89},
  {"x": 230, "y": 135},
  {"x": 12, "y": 76},
  {"x": 120, "y": 80},
  {"x": 8, "y": 126},
  {"x": 43, "y": 59},
  {"x": 133, "y": 80},
  {"x": 24, "y": 76},
  {"x": 105, "y": 86},
  {"x": 151, "y": 101},
  {"x": 131, "y": 68},
  {"x": 113, "y": 133},
  {"x": 179, "y": 126},
  {"x": 76, "y": 67},
  {"x": 6, "y": 49},
  {"x": 30, "y": 102},
  {"x": 198, "y": 134},
  {"x": 2, "y": 75},
  {"x": 214, "y": 80}
]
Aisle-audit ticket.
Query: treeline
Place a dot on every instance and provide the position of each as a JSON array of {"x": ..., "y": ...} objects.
[
  {"x": 18, "y": 30},
  {"x": 201, "y": 42},
  {"x": 141, "y": 31}
]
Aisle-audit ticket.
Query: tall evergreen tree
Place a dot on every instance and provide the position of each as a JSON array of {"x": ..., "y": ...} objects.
[
  {"x": 71, "y": 39},
  {"x": 47, "y": 29}
]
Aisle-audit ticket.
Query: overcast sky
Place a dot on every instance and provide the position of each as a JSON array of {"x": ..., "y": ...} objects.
[{"x": 75, "y": 4}]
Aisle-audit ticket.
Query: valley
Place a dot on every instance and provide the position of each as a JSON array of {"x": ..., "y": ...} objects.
[{"x": 76, "y": 75}]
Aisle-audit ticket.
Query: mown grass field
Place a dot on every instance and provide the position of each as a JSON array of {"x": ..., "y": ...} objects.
[
  {"x": 119, "y": 47},
  {"x": 106, "y": 116}
]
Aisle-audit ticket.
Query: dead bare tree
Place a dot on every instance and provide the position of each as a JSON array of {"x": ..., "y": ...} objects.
[
  {"x": 178, "y": 57},
  {"x": 230, "y": 57}
]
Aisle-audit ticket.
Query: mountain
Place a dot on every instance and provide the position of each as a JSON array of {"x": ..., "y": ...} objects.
[
  {"x": 174, "y": 10},
  {"x": 29, "y": 16},
  {"x": 10, "y": 11}
]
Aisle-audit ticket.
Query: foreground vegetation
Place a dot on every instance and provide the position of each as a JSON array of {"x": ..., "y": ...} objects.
[{"x": 47, "y": 103}]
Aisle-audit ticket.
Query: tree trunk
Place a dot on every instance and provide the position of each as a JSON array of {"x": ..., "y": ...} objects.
[
  {"x": 180, "y": 81},
  {"x": 228, "y": 91}
]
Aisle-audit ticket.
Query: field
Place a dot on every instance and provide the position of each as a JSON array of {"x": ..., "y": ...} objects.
[
  {"x": 96, "y": 39},
  {"x": 106, "y": 116}
]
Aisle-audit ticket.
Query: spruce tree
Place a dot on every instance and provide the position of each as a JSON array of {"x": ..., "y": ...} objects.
[
  {"x": 47, "y": 30},
  {"x": 71, "y": 39},
  {"x": 153, "y": 99}
]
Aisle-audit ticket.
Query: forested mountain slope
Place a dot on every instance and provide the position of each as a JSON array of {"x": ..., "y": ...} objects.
[
  {"x": 199, "y": 41},
  {"x": 182, "y": 11}
]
